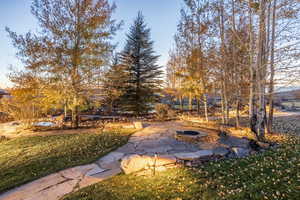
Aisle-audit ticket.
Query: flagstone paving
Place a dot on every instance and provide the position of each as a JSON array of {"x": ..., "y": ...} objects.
[{"x": 155, "y": 140}]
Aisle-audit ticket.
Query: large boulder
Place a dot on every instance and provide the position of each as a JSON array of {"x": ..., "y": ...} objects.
[
  {"x": 135, "y": 163},
  {"x": 111, "y": 160}
]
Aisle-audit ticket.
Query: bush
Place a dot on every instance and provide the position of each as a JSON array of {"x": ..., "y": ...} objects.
[
  {"x": 4, "y": 117},
  {"x": 164, "y": 111},
  {"x": 3, "y": 138}
]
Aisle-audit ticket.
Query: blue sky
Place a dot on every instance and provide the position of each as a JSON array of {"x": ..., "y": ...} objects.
[{"x": 161, "y": 16}]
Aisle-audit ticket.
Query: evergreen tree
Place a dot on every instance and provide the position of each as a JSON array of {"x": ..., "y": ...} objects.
[
  {"x": 143, "y": 73},
  {"x": 113, "y": 83}
]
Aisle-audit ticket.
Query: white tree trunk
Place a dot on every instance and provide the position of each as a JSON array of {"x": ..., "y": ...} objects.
[
  {"x": 260, "y": 71},
  {"x": 272, "y": 70}
]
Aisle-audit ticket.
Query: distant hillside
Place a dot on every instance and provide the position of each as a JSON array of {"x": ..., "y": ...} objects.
[
  {"x": 288, "y": 95},
  {"x": 3, "y": 93}
]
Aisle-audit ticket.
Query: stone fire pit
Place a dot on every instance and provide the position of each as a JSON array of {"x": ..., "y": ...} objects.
[{"x": 189, "y": 136}]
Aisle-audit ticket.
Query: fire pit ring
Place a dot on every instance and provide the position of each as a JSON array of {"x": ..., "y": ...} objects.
[
  {"x": 193, "y": 133},
  {"x": 189, "y": 136}
]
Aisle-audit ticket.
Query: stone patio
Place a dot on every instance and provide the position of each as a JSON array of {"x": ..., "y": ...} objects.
[{"x": 146, "y": 149}]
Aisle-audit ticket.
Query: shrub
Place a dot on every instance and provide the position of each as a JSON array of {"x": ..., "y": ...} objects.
[
  {"x": 164, "y": 111},
  {"x": 4, "y": 117},
  {"x": 26, "y": 111},
  {"x": 3, "y": 138}
]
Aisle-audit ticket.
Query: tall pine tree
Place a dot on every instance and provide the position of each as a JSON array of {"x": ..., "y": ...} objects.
[
  {"x": 113, "y": 83},
  {"x": 143, "y": 73}
]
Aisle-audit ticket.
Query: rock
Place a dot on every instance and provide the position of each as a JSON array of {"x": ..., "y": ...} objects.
[
  {"x": 135, "y": 163},
  {"x": 128, "y": 148},
  {"x": 131, "y": 126},
  {"x": 194, "y": 155},
  {"x": 160, "y": 169},
  {"x": 95, "y": 170},
  {"x": 138, "y": 125},
  {"x": 72, "y": 173},
  {"x": 148, "y": 144},
  {"x": 90, "y": 169},
  {"x": 52, "y": 193},
  {"x": 107, "y": 174},
  {"x": 241, "y": 152},
  {"x": 254, "y": 145},
  {"x": 15, "y": 123},
  {"x": 220, "y": 151},
  {"x": 153, "y": 146},
  {"x": 235, "y": 142},
  {"x": 222, "y": 133},
  {"x": 205, "y": 145},
  {"x": 163, "y": 160},
  {"x": 263, "y": 145},
  {"x": 150, "y": 172},
  {"x": 159, "y": 150},
  {"x": 81, "y": 171},
  {"x": 274, "y": 145},
  {"x": 189, "y": 164},
  {"x": 88, "y": 180},
  {"x": 111, "y": 160},
  {"x": 34, "y": 188}
]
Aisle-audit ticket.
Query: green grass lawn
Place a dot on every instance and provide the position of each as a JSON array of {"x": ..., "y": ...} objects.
[
  {"x": 27, "y": 158},
  {"x": 273, "y": 174}
]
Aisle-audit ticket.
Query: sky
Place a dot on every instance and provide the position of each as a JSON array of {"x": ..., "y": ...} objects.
[{"x": 160, "y": 15}]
